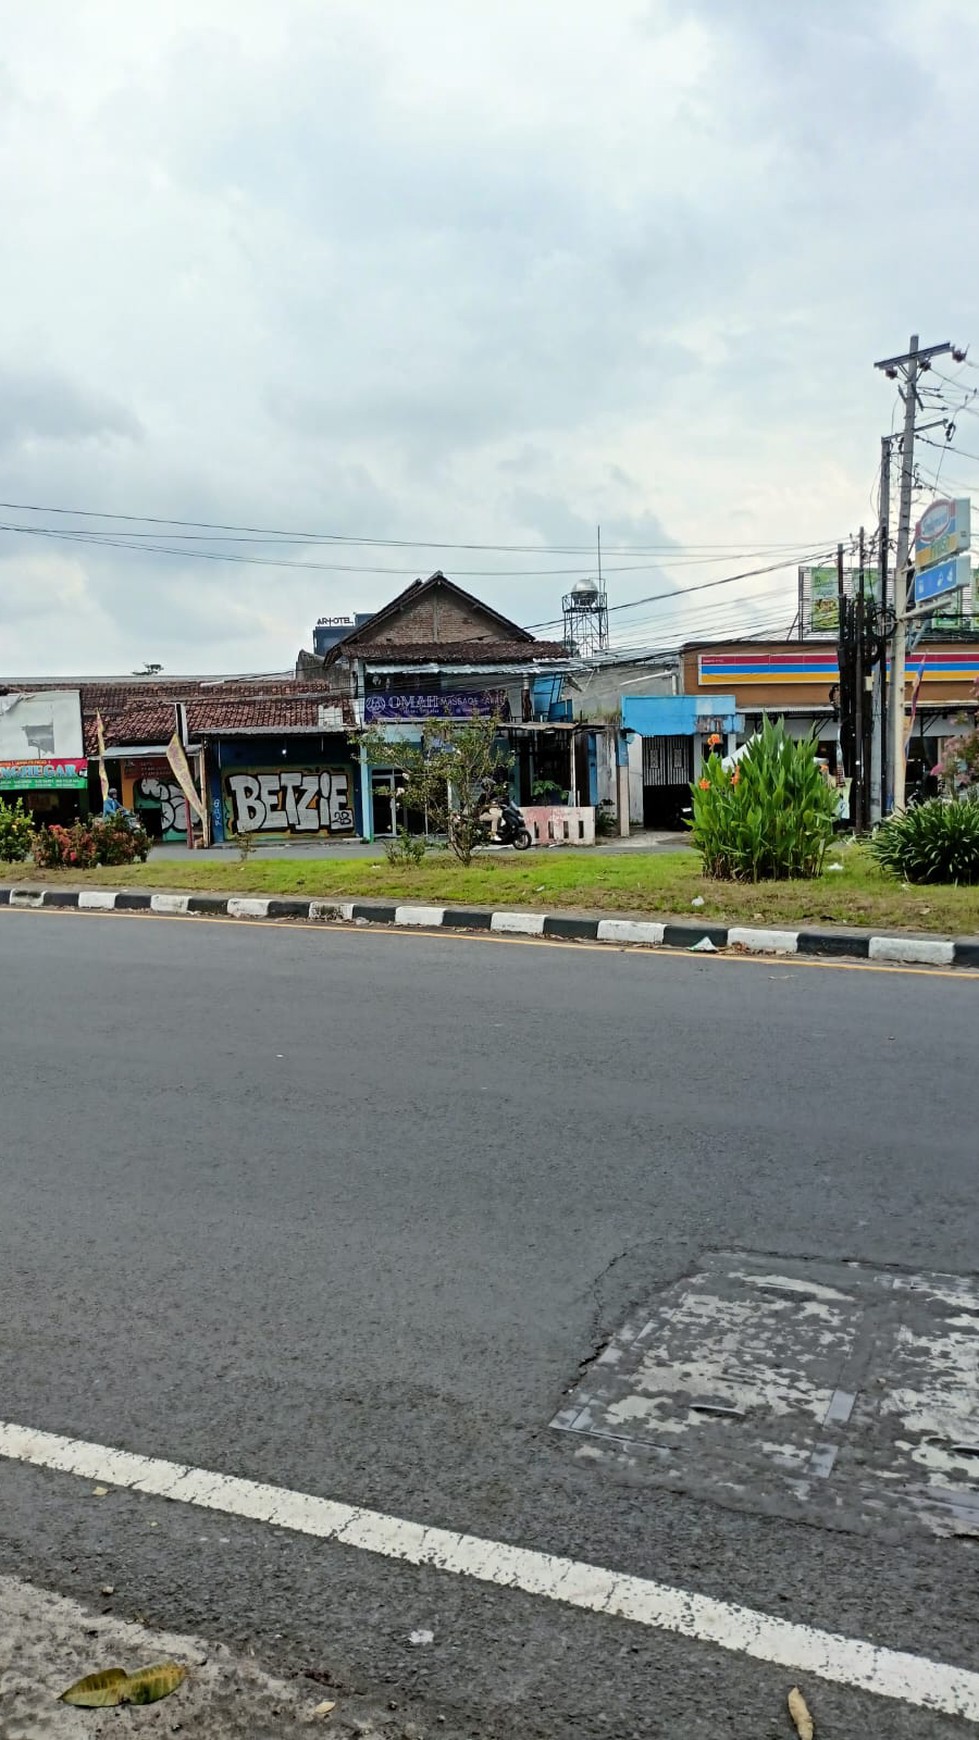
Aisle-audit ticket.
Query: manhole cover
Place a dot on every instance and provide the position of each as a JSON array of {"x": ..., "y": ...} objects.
[{"x": 835, "y": 1390}]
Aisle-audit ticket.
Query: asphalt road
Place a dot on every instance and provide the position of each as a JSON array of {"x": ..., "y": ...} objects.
[{"x": 351, "y": 1212}]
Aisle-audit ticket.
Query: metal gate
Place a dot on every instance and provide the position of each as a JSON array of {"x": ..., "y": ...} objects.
[{"x": 666, "y": 760}]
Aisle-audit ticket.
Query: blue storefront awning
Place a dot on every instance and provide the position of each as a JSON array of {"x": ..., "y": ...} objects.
[{"x": 681, "y": 715}]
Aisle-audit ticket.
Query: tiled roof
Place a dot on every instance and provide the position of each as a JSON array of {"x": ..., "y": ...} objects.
[
  {"x": 458, "y": 652},
  {"x": 256, "y": 713},
  {"x": 145, "y": 713}
]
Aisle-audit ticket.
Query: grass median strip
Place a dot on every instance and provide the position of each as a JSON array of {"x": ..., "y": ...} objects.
[{"x": 638, "y": 884}]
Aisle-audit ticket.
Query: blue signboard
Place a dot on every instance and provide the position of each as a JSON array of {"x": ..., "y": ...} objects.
[
  {"x": 943, "y": 530},
  {"x": 454, "y": 706},
  {"x": 942, "y": 577}
]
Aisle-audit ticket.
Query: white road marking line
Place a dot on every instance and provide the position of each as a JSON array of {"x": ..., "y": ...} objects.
[{"x": 845, "y": 1661}]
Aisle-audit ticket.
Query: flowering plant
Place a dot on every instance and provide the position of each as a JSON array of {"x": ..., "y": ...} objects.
[
  {"x": 16, "y": 832},
  {"x": 105, "y": 840},
  {"x": 770, "y": 816}
]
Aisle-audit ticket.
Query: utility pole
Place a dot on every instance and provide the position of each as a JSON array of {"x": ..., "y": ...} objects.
[
  {"x": 858, "y": 808},
  {"x": 878, "y": 801},
  {"x": 907, "y": 369}
]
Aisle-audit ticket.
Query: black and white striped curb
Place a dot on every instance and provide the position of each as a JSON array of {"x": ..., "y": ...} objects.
[{"x": 931, "y": 951}]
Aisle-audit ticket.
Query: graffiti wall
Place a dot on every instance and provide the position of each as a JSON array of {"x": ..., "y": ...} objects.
[
  {"x": 151, "y": 792},
  {"x": 147, "y": 786},
  {"x": 289, "y": 800}
]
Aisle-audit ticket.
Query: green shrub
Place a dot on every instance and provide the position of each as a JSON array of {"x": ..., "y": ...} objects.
[
  {"x": 769, "y": 817},
  {"x": 118, "y": 840},
  {"x": 59, "y": 848},
  {"x": 105, "y": 840},
  {"x": 16, "y": 832},
  {"x": 406, "y": 850},
  {"x": 937, "y": 841}
]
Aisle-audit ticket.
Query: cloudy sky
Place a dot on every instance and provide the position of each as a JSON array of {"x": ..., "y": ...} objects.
[{"x": 463, "y": 273}]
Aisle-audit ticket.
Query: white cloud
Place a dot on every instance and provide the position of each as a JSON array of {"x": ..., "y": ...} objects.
[{"x": 466, "y": 274}]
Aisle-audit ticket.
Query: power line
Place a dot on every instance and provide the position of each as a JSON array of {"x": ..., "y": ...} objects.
[
  {"x": 801, "y": 559},
  {"x": 270, "y": 532},
  {"x": 122, "y": 542}
]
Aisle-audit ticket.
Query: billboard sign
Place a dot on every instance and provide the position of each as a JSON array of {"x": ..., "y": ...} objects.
[
  {"x": 952, "y": 575},
  {"x": 453, "y": 706},
  {"x": 819, "y": 605},
  {"x": 47, "y": 775},
  {"x": 960, "y": 609},
  {"x": 824, "y": 606},
  {"x": 942, "y": 531}
]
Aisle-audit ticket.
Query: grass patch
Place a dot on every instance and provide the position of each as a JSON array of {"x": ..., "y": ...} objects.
[{"x": 637, "y": 883}]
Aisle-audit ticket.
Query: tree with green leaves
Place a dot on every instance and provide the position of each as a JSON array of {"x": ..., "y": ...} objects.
[{"x": 451, "y": 776}]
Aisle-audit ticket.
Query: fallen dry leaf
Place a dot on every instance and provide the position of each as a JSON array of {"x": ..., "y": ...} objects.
[
  {"x": 325, "y": 1707},
  {"x": 153, "y": 1683},
  {"x": 100, "y": 1492},
  {"x": 96, "y": 1691},
  {"x": 114, "y": 1686},
  {"x": 799, "y": 1711}
]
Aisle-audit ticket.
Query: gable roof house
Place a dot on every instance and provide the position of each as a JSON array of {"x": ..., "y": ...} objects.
[
  {"x": 435, "y": 638},
  {"x": 437, "y": 652}
]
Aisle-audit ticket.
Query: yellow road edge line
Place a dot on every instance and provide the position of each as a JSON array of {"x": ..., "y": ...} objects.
[{"x": 447, "y": 934}]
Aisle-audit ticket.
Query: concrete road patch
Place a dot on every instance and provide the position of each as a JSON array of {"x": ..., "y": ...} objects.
[{"x": 840, "y": 1392}]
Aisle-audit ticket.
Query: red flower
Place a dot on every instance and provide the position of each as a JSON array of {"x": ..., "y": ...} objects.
[{"x": 704, "y": 784}]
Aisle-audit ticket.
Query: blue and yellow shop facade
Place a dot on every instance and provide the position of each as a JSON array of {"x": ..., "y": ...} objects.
[{"x": 797, "y": 681}]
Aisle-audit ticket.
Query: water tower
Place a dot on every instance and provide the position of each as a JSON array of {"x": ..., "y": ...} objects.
[{"x": 586, "y": 618}]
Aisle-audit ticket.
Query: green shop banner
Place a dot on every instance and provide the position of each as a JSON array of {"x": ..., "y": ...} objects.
[{"x": 52, "y": 774}]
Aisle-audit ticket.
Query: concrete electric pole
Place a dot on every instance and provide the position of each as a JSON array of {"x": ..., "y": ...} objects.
[
  {"x": 906, "y": 369},
  {"x": 878, "y": 763}
]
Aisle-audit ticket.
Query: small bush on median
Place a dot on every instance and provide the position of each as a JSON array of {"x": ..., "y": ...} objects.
[
  {"x": 769, "y": 817},
  {"x": 106, "y": 840},
  {"x": 937, "y": 841},
  {"x": 16, "y": 832},
  {"x": 118, "y": 840},
  {"x": 407, "y": 851},
  {"x": 58, "y": 848}
]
